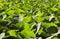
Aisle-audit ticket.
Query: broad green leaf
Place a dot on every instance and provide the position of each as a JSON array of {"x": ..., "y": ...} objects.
[
  {"x": 54, "y": 9},
  {"x": 26, "y": 26},
  {"x": 12, "y": 33},
  {"x": 40, "y": 13},
  {"x": 19, "y": 11},
  {"x": 27, "y": 33},
  {"x": 27, "y": 19},
  {"x": 11, "y": 12},
  {"x": 47, "y": 25},
  {"x": 38, "y": 19},
  {"x": 19, "y": 25}
]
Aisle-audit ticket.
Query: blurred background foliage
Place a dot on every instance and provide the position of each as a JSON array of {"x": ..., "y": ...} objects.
[{"x": 18, "y": 16}]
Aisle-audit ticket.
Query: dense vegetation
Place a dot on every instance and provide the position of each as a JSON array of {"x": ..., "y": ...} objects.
[{"x": 24, "y": 19}]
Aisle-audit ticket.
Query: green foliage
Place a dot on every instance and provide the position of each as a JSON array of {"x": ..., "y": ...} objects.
[
  {"x": 22, "y": 14},
  {"x": 12, "y": 33},
  {"x": 27, "y": 33},
  {"x": 55, "y": 38}
]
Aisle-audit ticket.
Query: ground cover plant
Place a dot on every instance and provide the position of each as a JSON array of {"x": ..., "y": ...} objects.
[{"x": 29, "y": 19}]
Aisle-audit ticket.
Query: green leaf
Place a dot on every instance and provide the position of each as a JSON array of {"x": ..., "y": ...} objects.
[
  {"x": 27, "y": 19},
  {"x": 11, "y": 12},
  {"x": 27, "y": 33},
  {"x": 12, "y": 33},
  {"x": 38, "y": 19},
  {"x": 26, "y": 26},
  {"x": 47, "y": 25},
  {"x": 18, "y": 36},
  {"x": 19, "y": 11},
  {"x": 45, "y": 34},
  {"x": 40, "y": 31},
  {"x": 40, "y": 13},
  {"x": 55, "y": 38},
  {"x": 54, "y": 9}
]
